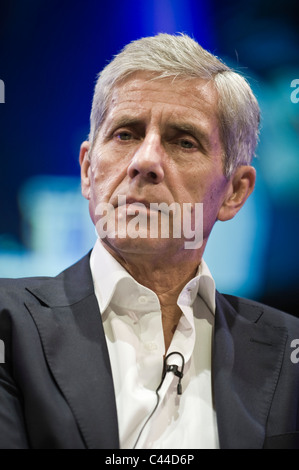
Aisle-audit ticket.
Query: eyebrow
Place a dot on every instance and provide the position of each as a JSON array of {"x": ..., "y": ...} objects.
[{"x": 124, "y": 121}]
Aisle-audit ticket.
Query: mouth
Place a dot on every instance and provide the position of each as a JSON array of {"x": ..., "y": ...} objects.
[{"x": 140, "y": 204}]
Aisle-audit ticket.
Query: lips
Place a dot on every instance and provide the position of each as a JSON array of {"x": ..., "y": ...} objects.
[
  {"x": 127, "y": 201},
  {"x": 144, "y": 202},
  {"x": 124, "y": 201}
]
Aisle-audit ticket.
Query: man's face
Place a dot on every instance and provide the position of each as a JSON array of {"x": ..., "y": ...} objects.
[{"x": 159, "y": 142}]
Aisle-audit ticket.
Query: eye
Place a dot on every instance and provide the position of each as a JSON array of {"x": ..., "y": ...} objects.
[
  {"x": 123, "y": 135},
  {"x": 186, "y": 144}
]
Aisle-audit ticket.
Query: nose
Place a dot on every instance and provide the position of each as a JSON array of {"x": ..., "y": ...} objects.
[{"x": 147, "y": 161}]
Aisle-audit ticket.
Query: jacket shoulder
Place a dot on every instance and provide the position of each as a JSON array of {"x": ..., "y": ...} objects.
[
  {"x": 15, "y": 290},
  {"x": 20, "y": 288},
  {"x": 247, "y": 307}
]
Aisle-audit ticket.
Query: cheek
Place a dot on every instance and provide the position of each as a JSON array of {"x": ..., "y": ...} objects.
[
  {"x": 195, "y": 177},
  {"x": 213, "y": 200},
  {"x": 209, "y": 190},
  {"x": 185, "y": 185},
  {"x": 101, "y": 187},
  {"x": 98, "y": 185},
  {"x": 104, "y": 178}
]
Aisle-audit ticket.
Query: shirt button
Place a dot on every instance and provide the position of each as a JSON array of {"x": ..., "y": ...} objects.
[
  {"x": 151, "y": 346},
  {"x": 142, "y": 299}
]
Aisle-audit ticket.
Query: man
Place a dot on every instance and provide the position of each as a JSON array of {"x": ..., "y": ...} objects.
[{"x": 133, "y": 347}]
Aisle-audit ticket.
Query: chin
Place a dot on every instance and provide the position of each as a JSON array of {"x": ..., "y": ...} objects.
[{"x": 139, "y": 245}]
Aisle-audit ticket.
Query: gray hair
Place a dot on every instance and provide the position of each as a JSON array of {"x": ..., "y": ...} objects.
[{"x": 180, "y": 56}]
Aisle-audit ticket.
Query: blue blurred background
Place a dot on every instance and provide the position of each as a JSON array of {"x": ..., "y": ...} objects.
[{"x": 50, "y": 54}]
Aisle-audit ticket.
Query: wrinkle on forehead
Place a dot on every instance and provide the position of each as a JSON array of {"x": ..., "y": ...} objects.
[{"x": 138, "y": 81}]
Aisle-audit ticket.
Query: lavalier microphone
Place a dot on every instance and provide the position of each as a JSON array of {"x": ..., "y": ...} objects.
[{"x": 175, "y": 369}]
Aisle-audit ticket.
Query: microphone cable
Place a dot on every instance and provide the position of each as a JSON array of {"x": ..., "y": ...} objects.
[{"x": 166, "y": 368}]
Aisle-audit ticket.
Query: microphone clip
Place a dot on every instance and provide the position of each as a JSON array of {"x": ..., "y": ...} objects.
[{"x": 175, "y": 369}]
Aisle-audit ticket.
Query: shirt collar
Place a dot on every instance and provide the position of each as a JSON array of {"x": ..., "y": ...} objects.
[
  {"x": 203, "y": 285},
  {"x": 108, "y": 274}
]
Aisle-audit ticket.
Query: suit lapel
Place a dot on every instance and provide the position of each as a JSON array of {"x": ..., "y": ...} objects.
[
  {"x": 70, "y": 327},
  {"x": 246, "y": 365}
]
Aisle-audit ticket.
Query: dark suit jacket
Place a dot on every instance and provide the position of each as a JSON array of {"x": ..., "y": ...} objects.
[{"x": 56, "y": 388}]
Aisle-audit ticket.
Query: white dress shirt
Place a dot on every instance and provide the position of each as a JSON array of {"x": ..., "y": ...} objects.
[{"x": 131, "y": 316}]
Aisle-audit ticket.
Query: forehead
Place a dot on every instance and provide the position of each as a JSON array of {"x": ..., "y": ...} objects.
[{"x": 141, "y": 92}]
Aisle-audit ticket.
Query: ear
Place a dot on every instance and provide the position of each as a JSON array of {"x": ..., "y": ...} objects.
[
  {"x": 85, "y": 167},
  {"x": 240, "y": 187}
]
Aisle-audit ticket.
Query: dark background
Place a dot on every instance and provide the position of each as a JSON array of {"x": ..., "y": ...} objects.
[{"x": 50, "y": 55}]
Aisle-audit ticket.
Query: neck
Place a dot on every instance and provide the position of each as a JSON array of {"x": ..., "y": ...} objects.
[{"x": 166, "y": 276}]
